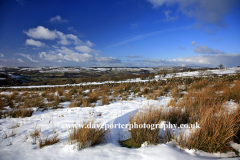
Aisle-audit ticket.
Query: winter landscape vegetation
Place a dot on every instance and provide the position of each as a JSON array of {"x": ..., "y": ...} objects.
[{"x": 160, "y": 79}]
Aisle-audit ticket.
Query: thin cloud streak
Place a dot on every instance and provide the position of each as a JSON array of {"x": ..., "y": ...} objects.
[{"x": 143, "y": 36}]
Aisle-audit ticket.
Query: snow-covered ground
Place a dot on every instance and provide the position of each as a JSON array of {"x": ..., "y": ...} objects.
[
  {"x": 181, "y": 74},
  {"x": 60, "y": 120}
]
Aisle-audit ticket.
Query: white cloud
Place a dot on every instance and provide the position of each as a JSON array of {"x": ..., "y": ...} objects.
[
  {"x": 143, "y": 36},
  {"x": 41, "y": 33},
  {"x": 66, "y": 54},
  {"x": 35, "y": 43},
  {"x": 58, "y": 19},
  {"x": 75, "y": 57},
  {"x": 213, "y": 60},
  {"x": 49, "y": 57},
  {"x": 205, "y": 12},
  {"x": 1, "y": 55},
  {"x": 65, "y": 50},
  {"x": 194, "y": 43},
  {"x": 168, "y": 17},
  {"x": 64, "y": 39},
  {"x": 28, "y": 57},
  {"x": 54, "y": 46},
  {"x": 72, "y": 29},
  {"x": 205, "y": 49},
  {"x": 90, "y": 44},
  {"x": 20, "y": 60},
  {"x": 86, "y": 49},
  {"x": 108, "y": 60}
]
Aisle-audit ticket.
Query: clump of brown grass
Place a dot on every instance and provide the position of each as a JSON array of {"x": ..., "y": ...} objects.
[
  {"x": 199, "y": 85},
  {"x": 148, "y": 116},
  {"x": 176, "y": 116},
  {"x": 175, "y": 92},
  {"x": 56, "y": 100},
  {"x": 2, "y": 104},
  {"x": 48, "y": 141},
  {"x": 232, "y": 92},
  {"x": 68, "y": 96},
  {"x": 86, "y": 102},
  {"x": 136, "y": 90},
  {"x": 75, "y": 104},
  {"x": 86, "y": 137},
  {"x": 35, "y": 133},
  {"x": 93, "y": 97},
  {"x": 60, "y": 91},
  {"x": 20, "y": 113},
  {"x": 173, "y": 103},
  {"x": 216, "y": 131},
  {"x": 197, "y": 102},
  {"x": 105, "y": 100},
  {"x": 145, "y": 90},
  {"x": 159, "y": 93}
]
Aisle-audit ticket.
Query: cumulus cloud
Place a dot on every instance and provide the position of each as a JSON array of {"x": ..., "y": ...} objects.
[
  {"x": 64, "y": 39},
  {"x": 20, "y": 60},
  {"x": 66, "y": 54},
  {"x": 35, "y": 43},
  {"x": 28, "y": 57},
  {"x": 205, "y": 12},
  {"x": 41, "y": 33},
  {"x": 86, "y": 49},
  {"x": 58, "y": 19},
  {"x": 1, "y": 55},
  {"x": 205, "y": 49}
]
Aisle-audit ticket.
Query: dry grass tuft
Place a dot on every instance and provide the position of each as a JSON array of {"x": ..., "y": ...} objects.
[
  {"x": 35, "y": 134},
  {"x": 75, "y": 104},
  {"x": 48, "y": 141},
  {"x": 68, "y": 96},
  {"x": 20, "y": 113},
  {"x": 216, "y": 131},
  {"x": 176, "y": 116},
  {"x": 86, "y": 102},
  {"x": 148, "y": 116},
  {"x": 105, "y": 100},
  {"x": 86, "y": 137}
]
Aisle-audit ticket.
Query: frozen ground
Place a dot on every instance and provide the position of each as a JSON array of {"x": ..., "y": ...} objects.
[
  {"x": 61, "y": 119},
  {"x": 181, "y": 74}
]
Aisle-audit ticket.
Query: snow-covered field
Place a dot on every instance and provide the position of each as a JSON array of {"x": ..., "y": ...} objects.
[
  {"x": 228, "y": 71},
  {"x": 61, "y": 120}
]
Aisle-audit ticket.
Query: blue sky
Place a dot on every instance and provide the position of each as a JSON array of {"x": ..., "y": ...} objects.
[{"x": 120, "y": 33}]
